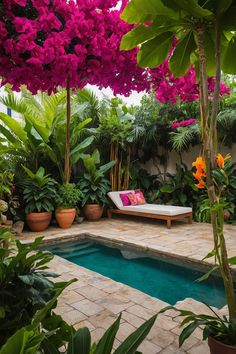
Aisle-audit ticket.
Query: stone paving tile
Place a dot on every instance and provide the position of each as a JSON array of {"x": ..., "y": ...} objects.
[
  {"x": 87, "y": 307},
  {"x": 114, "y": 303},
  {"x": 91, "y": 293},
  {"x": 95, "y": 301},
  {"x": 73, "y": 316},
  {"x": 104, "y": 319}
]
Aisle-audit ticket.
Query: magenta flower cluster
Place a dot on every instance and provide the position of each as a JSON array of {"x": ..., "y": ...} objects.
[
  {"x": 171, "y": 89},
  {"x": 44, "y": 42},
  {"x": 184, "y": 123}
]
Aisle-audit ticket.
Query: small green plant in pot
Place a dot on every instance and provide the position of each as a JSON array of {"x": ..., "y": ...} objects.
[
  {"x": 94, "y": 186},
  {"x": 67, "y": 200},
  {"x": 39, "y": 192}
]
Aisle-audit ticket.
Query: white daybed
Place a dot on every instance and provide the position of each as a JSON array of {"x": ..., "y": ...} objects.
[{"x": 155, "y": 211}]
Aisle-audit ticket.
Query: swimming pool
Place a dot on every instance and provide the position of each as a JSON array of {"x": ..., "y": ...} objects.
[{"x": 162, "y": 279}]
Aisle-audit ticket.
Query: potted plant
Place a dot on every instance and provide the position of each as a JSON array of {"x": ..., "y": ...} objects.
[
  {"x": 67, "y": 199},
  {"x": 39, "y": 192},
  {"x": 94, "y": 186}
]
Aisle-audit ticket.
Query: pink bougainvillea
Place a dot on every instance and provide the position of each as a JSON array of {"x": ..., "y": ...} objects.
[
  {"x": 170, "y": 89},
  {"x": 45, "y": 42},
  {"x": 184, "y": 123}
]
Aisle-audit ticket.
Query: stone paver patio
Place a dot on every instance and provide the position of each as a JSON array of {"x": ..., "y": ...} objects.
[{"x": 95, "y": 301}]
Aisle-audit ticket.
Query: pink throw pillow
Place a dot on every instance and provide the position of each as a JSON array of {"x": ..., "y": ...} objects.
[
  {"x": 125, "y": 198},
  {"x": 133, "y": 199},
  {"x": 140, "y": 197}
]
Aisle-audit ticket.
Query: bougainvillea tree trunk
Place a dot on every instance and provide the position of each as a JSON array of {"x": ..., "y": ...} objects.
[{"x": 67, "y": 171}]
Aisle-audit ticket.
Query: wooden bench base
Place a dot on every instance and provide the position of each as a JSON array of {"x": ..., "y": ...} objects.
[{"x": 168, "y": 218}]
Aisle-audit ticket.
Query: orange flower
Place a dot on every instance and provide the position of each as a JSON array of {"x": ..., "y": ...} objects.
[
  {"x": 200, "y": 172},
  {"x": 199, "y": 163},
  {"x": 220, "y": 160},
  {"x": 201, "y": 184}
]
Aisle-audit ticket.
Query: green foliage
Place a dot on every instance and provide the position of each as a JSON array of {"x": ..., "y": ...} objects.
[
  {"x": 115, "y": 123},
  {"x": 180, "y": 188},
  {"x": 179, "y": 19},
  {"x": 32, "y": 339},
  {"x": 6, "y": 181},
  {"x": 219, "y": 327},
  {"x": 94, "y": 185},
  {"x": 25, "y": 285},
  {"x": 39, "y": 139},
  {"x": 68, "y": 196},
  {"x": 39, "y": 191}
]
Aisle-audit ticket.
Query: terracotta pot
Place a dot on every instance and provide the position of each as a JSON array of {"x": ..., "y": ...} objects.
[
  {"x": 65, "y": 217},
  {"x": 38, "y": 221},
  {"x": 217, "y": 347},
  {"x": 93, "y": 212}
]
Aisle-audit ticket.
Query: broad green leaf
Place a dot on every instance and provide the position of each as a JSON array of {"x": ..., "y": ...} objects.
[
  {"x": 41, "y": 314},
  {"x": 209, "y": 45},
  {"x": 167, "y": 188},
  {"x": 228, "y": 19},
  {"x": 232, "y": 260},
  {"x": 229, "y": 63},
  {"x": 191, "y": 7},
  {"x": 142, "y": 34},
  {"x": 10, "y": 137},
  {"x": 79, "y": 149},
  {"x": 132, "y": 15},
  {"x": 25, "y": 341},
  {"x": 135, "y": 339},
  {"x": 80, "y": 342},
  {"x": 155, "y": 51},
  {"x": 105, "y": 344},
  {"x": 153, "y": 7},
  {"x": 106, "y": 167},
  {"x": 206, "y": 276},
  {"x": 210, "y": 254},
  {"x": 180, "y": 59},
  {"x": 41, "y": 129},
  {"x": 14, "y": 126}
]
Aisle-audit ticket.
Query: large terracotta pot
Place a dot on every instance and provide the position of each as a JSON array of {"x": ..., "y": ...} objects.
[
  {"x": 217, "y": 347},
  {"x": 39, "y": 221},
  {"x": 65, "y": 217},
  {"x": 93, "y": 212}
]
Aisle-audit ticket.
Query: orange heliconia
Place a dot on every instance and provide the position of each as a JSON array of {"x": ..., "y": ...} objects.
[
  {"x": 220, "y": 160},
  {"x": 200, "y": 171}
]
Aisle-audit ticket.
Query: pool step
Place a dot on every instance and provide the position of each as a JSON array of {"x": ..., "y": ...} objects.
[
  {"x": 62, "y": 250},
  {"x": 78, "y": 253}
]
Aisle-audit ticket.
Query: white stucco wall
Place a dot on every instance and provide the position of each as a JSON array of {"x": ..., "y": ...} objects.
[{"x": 187, "y": 158}]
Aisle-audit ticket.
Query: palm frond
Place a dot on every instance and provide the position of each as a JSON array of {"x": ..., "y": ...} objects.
[
  {"x": 17, "y": 104},
  {"x": 184, "y": 137}
]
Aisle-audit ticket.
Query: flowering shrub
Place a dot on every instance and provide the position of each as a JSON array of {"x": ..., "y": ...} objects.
[
  {"x": 220, "y": 177},
  {"x": 184, "y": 123},
  {"x": 44, "y": 42}
]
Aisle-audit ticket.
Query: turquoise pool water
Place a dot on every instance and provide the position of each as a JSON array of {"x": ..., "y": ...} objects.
[{"x": 167, "y": 281}]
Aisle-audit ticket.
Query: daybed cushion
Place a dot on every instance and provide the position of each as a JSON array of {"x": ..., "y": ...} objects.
[
  {"x": 169, "y": 210},
  {"x": 115, "y": 197},
  {"x": 148, "y": 208}
]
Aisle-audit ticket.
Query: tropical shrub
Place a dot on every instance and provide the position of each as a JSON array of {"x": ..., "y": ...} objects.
[
  {"x": 39, "y": 138},
  {"x": 39, "y": 191},
  {"x": 25, "y": 285},
  {"x": 68, "y": 196},
  {"x": 94, "y": 185},
  {"x": 180, "y": 188}
]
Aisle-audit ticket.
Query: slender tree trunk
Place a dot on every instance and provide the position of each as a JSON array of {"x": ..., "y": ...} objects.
[
  {"x": 209, "y": 139},
  {"x": 67, "y": 171}
]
